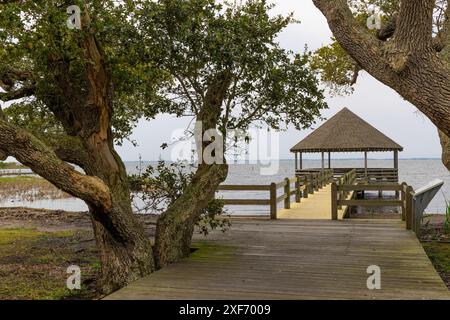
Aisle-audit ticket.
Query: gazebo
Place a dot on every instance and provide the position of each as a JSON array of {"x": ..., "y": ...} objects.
[{"x": 346, "y": 132}]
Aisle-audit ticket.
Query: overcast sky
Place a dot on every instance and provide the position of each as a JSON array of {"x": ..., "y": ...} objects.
[{"x": 373, "y": 101}]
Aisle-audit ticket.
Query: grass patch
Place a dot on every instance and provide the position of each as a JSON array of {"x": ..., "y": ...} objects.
[
  {"x": 211, "y": 251},
  {"x": 21, "y": 179},
  {"x": 439, "y": 254},
  {"x": 11, "y": 166},
  {"x": 33, "y": 264},
  {"x": 10, "y": 236}
]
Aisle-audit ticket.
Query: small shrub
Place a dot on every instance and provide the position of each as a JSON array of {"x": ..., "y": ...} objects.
[{"x": 157, "y": 187}]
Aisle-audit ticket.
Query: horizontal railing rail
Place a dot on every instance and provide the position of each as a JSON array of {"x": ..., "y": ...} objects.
[
  {"x": 300, "y": 186},
  {"x": 406, "y": 201},
  {"x": 371, "y": 175},
  {"x": 15, "y": 172}
]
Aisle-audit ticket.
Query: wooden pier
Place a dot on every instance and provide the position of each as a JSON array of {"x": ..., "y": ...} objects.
[
  {"x": 308, "y": 250},
  {"x": 297, "y": 259}
]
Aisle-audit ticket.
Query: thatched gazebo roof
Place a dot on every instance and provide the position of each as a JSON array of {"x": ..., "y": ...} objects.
[{"x": 346, "y": 132}]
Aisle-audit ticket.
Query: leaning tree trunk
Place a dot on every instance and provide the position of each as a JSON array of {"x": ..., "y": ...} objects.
[
  {"x": 176, "y": 226},
  {"x": 125, "y": 251}
]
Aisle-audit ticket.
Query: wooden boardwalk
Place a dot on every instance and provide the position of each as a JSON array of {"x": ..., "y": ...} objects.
[
  {"x": 316, "y": 206},
  {"x": 297, "y": 259}
]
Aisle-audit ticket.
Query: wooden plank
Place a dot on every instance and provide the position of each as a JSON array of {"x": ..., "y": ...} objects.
[
  {"x": 370, "y": 203},
  {"x": 273, "y": 201},
  {"x": 243, "y": 187},
  {"x": 297, "y": 259},
  {"x": 370, "y": 187},
  {"x": 287, "y": 194},
  {"x": 246, "y": 202},
  {"x": 334, "y": 204}
]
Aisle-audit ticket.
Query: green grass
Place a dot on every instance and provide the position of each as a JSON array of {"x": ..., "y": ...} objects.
[
  {"x": 211, "y": 251},
  {"x": 27, "y": 179},
  {"x": 33, "y": 263},
  {"x": 439, "y": 254},
  {"x": 10, "y": 236},
  {"x": 11, "y": 165}
]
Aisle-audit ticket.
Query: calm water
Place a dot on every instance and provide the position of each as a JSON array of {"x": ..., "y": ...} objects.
[{"x": 415, "y": 172}]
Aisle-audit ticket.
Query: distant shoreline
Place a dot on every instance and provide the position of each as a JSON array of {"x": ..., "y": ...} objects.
[{"x": 305, "y": 159}]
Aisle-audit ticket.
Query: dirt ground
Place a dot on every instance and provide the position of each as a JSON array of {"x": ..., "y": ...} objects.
[{"x": 37, "y": 246}]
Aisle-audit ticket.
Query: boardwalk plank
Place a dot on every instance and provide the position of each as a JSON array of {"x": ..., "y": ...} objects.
[{"x": 297, "y": 259}]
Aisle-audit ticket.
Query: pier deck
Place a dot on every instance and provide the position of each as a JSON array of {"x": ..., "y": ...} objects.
[
  {"x": 297, "y": 259},
  {"x": 317, "y": 206}
]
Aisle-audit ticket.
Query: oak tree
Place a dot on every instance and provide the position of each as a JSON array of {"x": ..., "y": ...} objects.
[
  {"x": 410, "y": 53},
  {"x": 75, "y": 92},
  {"x": 227, "y": 71}
]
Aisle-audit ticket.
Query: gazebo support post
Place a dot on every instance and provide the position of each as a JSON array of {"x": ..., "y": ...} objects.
[
  {"x": 365, "y": 164},
  {"x": 329, "y": 160},
  {"x": 301, "y": 161},
  {"x": 397, "y": 193},
  {"x": 323, "y": 160},
  {"x": 296, "y": 162}
]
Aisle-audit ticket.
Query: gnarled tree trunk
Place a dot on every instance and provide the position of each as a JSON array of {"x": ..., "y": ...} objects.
[
  {"x": 84, "y": 106},
  {"x": 176, "y": 226},
  {"x": 125, "y": 251},
  {"x": 445, "y": 143},
  {"x": 406, "y": 58}
]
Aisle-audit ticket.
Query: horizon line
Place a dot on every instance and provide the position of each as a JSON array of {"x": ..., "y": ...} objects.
[{"x": 334, "y": 159}]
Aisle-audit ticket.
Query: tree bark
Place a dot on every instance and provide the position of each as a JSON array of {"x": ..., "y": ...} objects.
[
  {"x": 445, "y": 143},
  {"x": 176, "y": 226},
  {"x": 408, "y": 63},
  {"x": 84, "y": 109}
]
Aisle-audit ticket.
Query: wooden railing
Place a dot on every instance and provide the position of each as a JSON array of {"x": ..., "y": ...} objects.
[
  {"x": 348, "y": 179},
  {"x": 15, "y": 172},
  {"x": 300, "y": 186},
  {"x": 371, "y": 175},
  {"x": 405, "y": 202}
]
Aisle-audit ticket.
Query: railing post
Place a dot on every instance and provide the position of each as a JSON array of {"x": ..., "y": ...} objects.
[
  {"x": 306, "y": 190},
  {"x": 287, "y": 194},
  {"x": 403, "y": 198},
  {"x": 273, "y": 201},
  {"x": 409, "y": 208},
  {"x": 334, "y": 207},
  {"x": 298, "y": 196},
  {"x": 312, "y": 189}
]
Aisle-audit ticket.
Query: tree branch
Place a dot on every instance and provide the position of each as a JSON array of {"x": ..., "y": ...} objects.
[
  {"x": 388, "y": 30},
  {"x": 415, "y": 25},
  {"x": 70, "y": 149},
  {"x": 32, "y": 152},
  {"x": 23, "y": 92},
  {"x": 419, "y": 76}
]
